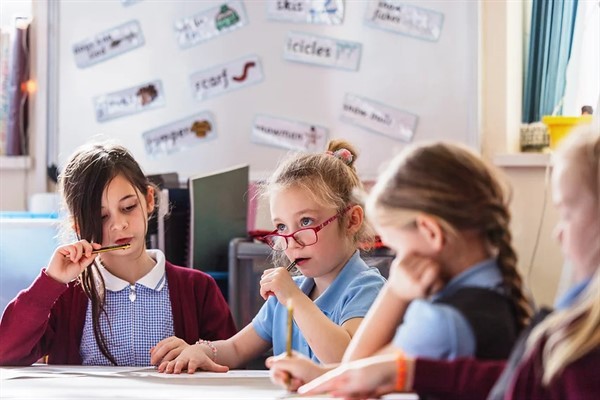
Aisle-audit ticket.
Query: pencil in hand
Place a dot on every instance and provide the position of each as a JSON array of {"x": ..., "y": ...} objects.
[
  {"x": 292, "y": 265},
  {"x": 288, "y": 343},
  {"x": 109, "y": 248}
]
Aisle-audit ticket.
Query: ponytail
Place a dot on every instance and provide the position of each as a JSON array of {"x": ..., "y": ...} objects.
[{"x": 513, "y": 283}]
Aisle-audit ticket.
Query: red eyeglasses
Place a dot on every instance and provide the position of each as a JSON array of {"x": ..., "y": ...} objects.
[{"x": 304, "y": 236}]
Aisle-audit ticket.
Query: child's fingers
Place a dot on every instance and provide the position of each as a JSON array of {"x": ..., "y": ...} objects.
[
  {"x": 162, "y": 366},
  {"x": 86, "y": 248},
  {"x": 269, "y": 361},
  {"x": 267, "y": 272},
  {"x": 213, "y": 366},
  {"x": 159, "y": 351},
  {"x": 180, "y": 365},
  {"x": 295, "y": 383},
  {"x": 320, "y": 385},
  {"x": 172, "y": 354},
  {"x": 75, "y": 252},
  {"x": 265, "y": 291}
]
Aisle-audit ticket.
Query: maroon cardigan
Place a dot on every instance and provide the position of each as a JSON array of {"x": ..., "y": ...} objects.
[
  {"x": 48, "y": 317},
  {"x": 469, "y": 378}
]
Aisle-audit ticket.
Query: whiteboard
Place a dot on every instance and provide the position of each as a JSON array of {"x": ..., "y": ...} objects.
[{"x": 435, "y": 80}]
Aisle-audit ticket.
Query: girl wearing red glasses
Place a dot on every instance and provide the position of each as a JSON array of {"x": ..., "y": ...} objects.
[
  {"x": 453, "y": 290},
  {"x": 318, "y": 225}
]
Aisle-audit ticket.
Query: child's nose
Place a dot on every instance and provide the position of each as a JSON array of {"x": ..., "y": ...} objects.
[
  {"x": 293, "y": 243},
  {"x": 120, "y": 223}
]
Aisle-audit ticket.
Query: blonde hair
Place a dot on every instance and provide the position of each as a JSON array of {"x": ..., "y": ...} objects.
[
  {"x": 452, "y": 184},
  {"x": 572, "y": 333},
  {"x": 330, "y": 179}
]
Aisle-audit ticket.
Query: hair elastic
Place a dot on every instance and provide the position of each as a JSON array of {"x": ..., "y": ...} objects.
[{"x": 343, "y": 154}]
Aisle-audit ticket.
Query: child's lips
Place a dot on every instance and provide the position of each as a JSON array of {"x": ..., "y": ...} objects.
[
  {"x": 123, "y": 241},
  {"x": 300, "y": 261}
]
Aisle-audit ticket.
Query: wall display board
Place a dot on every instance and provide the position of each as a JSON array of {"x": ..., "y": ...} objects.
[
  {"x": 231, "y": 76},
  {"x": 129, "y": 101}
]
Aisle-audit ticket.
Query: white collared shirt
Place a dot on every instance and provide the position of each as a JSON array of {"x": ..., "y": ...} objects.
[
  {"x": 137, "y": 317},
  {"x": 155, "y": 279}
]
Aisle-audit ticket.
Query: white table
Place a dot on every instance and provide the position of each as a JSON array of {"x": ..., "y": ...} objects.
[{"x": 78, "y": 382}]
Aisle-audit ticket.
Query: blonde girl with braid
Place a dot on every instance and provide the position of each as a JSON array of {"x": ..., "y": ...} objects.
[
  {"x": 454, "y": 289},
  {"x": 318, "y": 224},
  {"x": 559, "y": 357}
]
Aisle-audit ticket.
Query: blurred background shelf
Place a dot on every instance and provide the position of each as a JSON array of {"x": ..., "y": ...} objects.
[
  {"x": 247, "y": 261},
  {"x": 15, "y": 162},
  {"x": 522, "y": 160}
]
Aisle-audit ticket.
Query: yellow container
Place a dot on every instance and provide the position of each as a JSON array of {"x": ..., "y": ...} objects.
[{"x": 559, "y": 126}]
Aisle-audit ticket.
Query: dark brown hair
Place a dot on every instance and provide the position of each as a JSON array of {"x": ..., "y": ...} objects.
[
  {"x": 456, "y": 186},
  {"x": 87, "y": 173}
]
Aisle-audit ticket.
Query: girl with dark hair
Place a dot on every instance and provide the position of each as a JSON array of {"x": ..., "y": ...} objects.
[{"x": 113, "y": 307}]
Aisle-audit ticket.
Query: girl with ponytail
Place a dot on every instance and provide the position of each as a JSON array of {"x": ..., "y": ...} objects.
[
  {"x": 556, "y": 359},
  {"x": 318, "y": 226},
  {"x": 454, "y": 289}
]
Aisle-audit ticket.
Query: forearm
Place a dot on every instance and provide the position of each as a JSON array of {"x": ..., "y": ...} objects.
[
  {"x": 242, "y": 348},
  {"x": 378, "y": 327},
  {"x": 25, "y": 322},
  {"x": 327, "y": 340}
]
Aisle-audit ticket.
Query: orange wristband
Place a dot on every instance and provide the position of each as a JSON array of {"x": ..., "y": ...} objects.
[{"x": 400, "y": 372}]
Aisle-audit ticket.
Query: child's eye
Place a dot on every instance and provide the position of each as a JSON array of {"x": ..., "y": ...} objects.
[
  {"x": 306, "y": 221},
  {"x": 280, "y": 228},
  {"x": 104, "y": 216},
  {"x": 130, "y": 208}
]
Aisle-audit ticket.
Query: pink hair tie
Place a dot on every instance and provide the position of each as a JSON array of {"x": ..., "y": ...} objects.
[{"x": 343, "y": 154}]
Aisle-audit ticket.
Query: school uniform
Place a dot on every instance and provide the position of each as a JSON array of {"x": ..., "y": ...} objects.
[
  {"x": 51, "y": 318},
  {"x": 349, "y": 296},
  {"x": 470, "y": 316},
  {"x": 517, "y": 378}
]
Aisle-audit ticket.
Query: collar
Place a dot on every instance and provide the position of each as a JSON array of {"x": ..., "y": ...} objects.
[
  {"x": 328, "y": 299},
  {"x": 572, "y": 294},
  {"x": 155, "y": 279},
  {"x": 484, "y": 274}
]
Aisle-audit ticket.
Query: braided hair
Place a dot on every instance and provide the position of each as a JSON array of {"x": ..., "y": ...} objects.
[{"x": 456, "y": 186}]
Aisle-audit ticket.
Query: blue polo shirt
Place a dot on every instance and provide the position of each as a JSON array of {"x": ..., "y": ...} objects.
[
  {"x": 572, "y": 295},
  {"x": 349, "y": 296},
  {"x": 440, "y": 331}
]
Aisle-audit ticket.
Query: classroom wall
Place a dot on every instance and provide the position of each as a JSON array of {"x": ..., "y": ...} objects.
[
  {"x": 501, "y": 24},
  {"x": 395, "y": 70}
]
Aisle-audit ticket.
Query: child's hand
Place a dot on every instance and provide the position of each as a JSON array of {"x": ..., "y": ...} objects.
[
  {"x": 70, "y": 260},
  {"x": 277, "y": 282},
  {"x": 167, "y": 350},
  {"x": 192, "y": 358},
  {"x": 293, "y": 372},
  {"x": 415, "y": 277},
  {"x": 366, "y": 378}
]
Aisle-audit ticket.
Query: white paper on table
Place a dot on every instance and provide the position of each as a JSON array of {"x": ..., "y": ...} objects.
[
  {"x": 60, "y": 371},
  {"x": 205, "y": 375}
]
